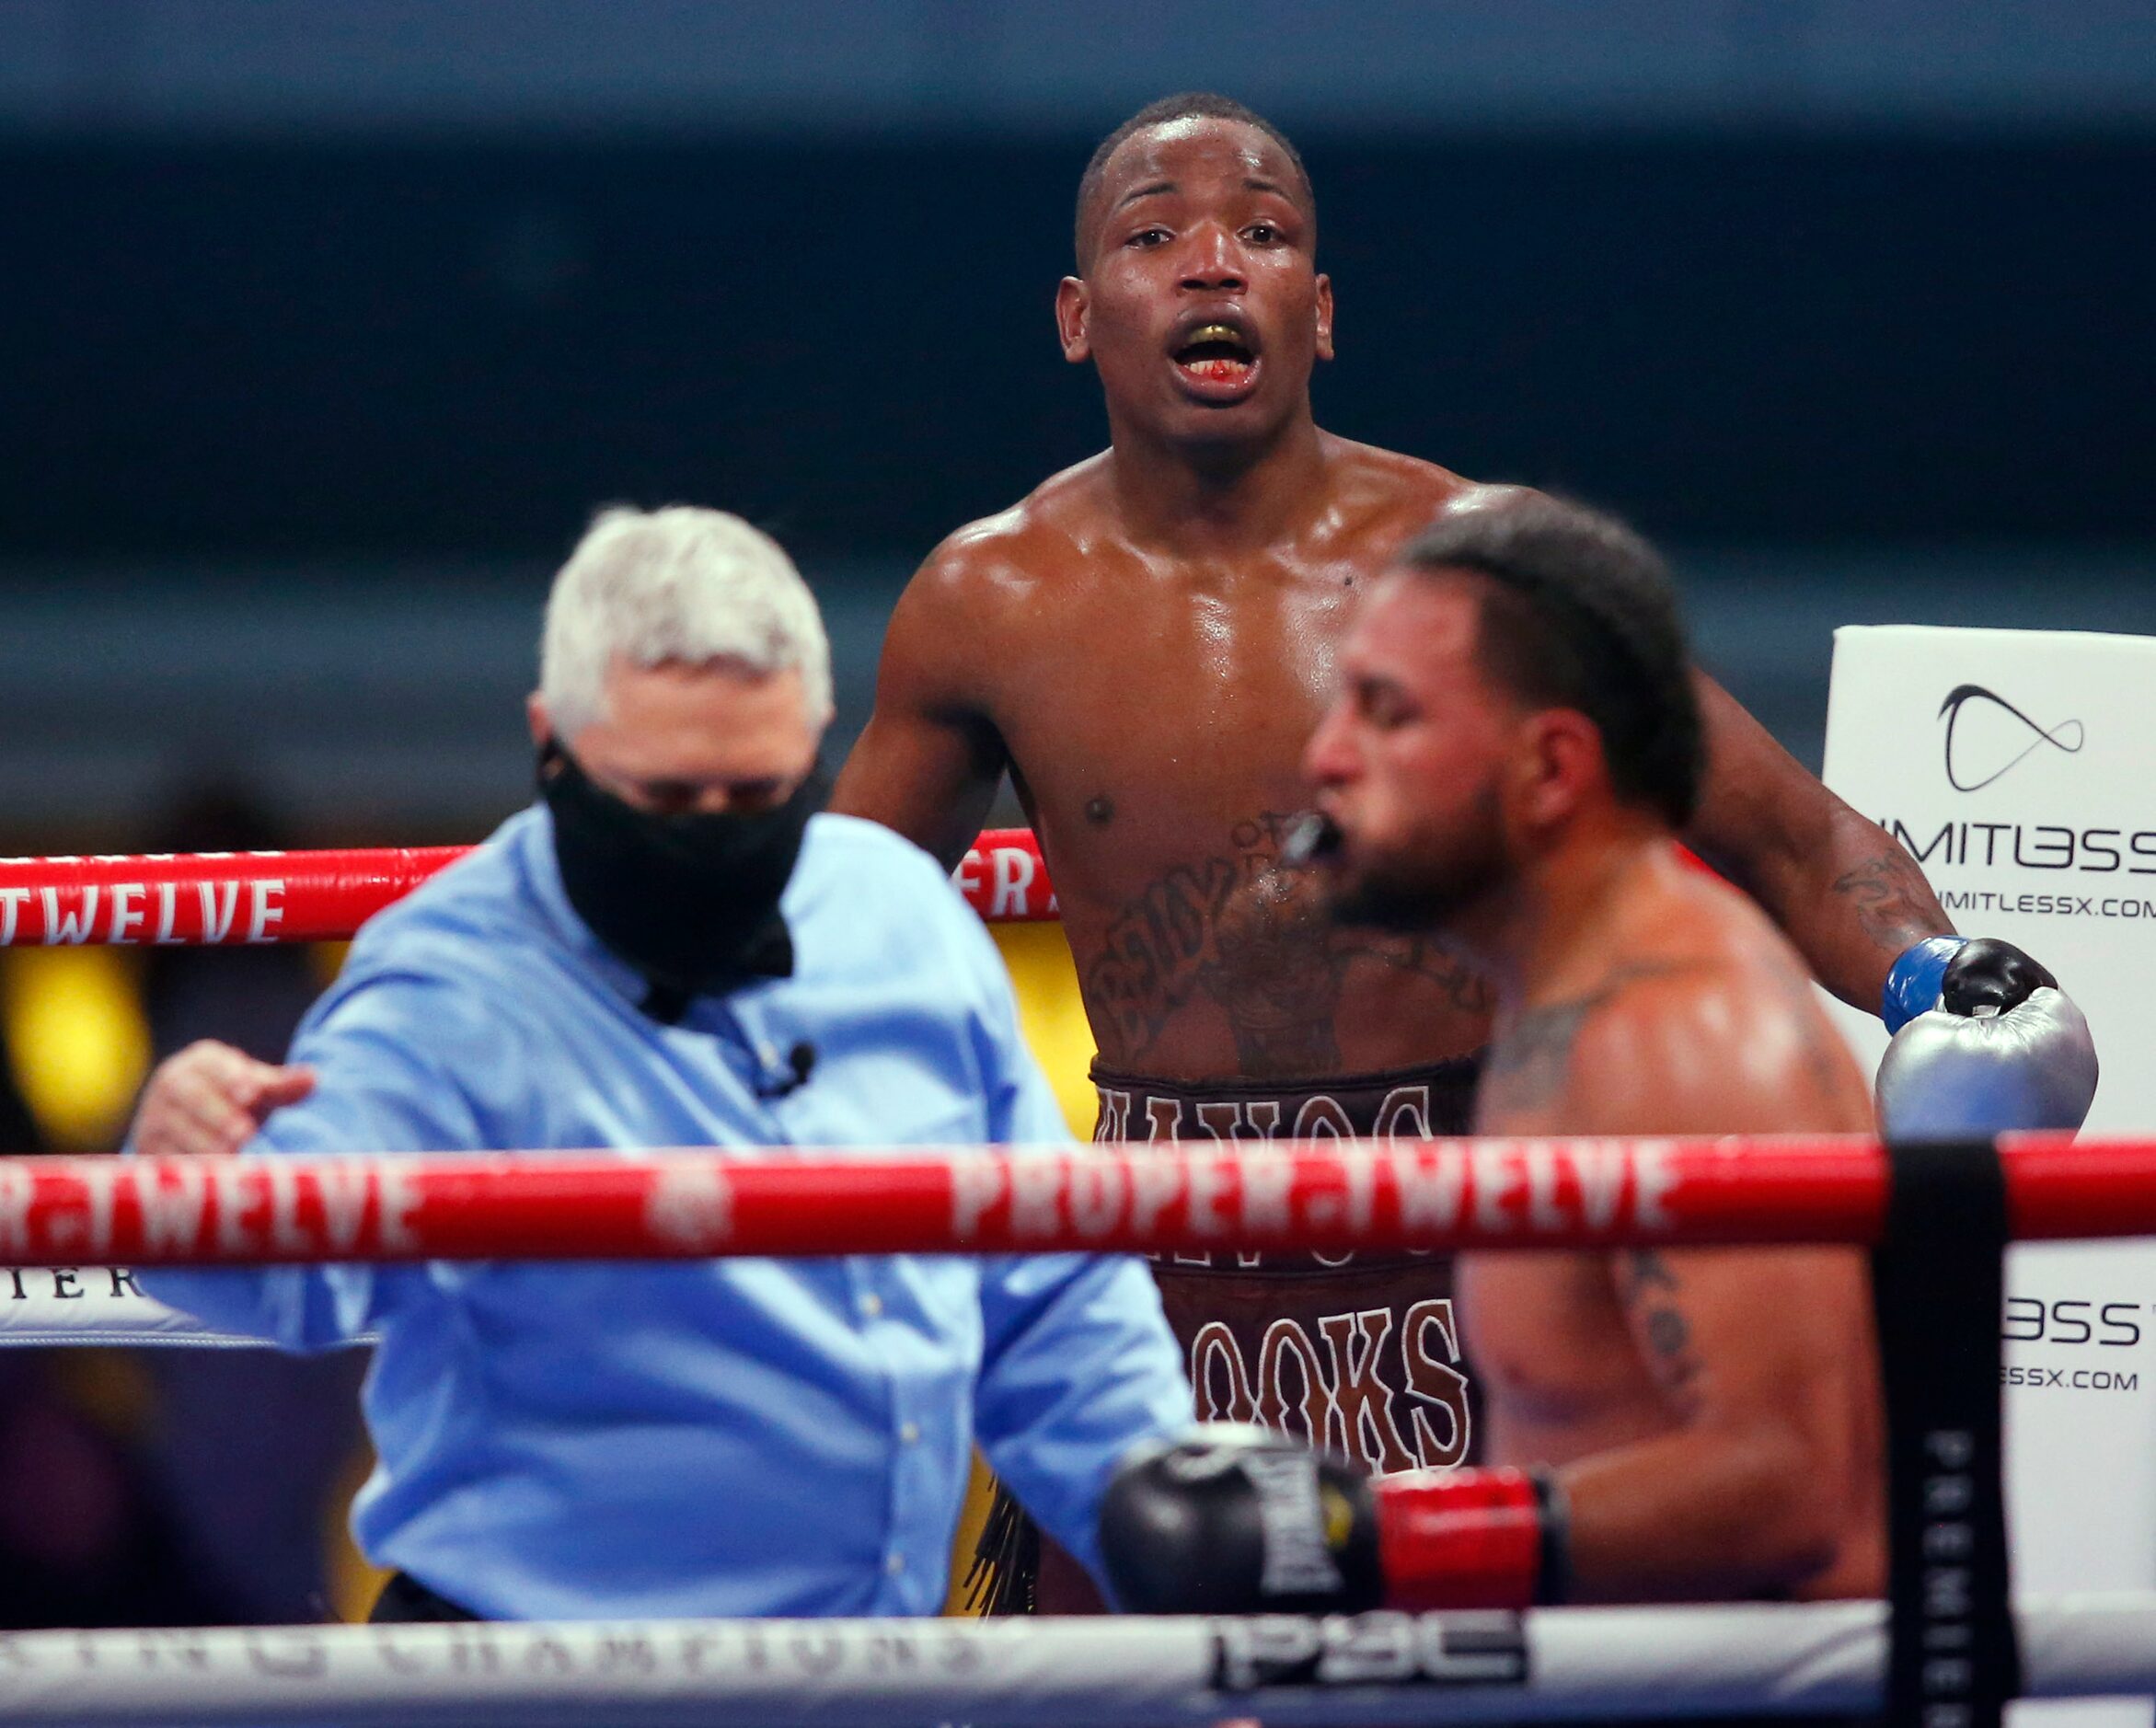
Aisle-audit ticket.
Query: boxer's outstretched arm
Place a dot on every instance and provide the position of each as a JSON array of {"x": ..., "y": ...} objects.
[
  {"x": 927, "y": 763},
  {"x": 1762, "y": 1355},
  {"x": 1848, "y": 896}
]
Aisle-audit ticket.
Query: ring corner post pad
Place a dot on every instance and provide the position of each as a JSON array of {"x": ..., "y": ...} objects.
[{"x": 1938, "y": 1287}]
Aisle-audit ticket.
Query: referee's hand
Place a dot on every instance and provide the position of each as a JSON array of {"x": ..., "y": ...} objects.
[{"x": 208, "y": 1100}]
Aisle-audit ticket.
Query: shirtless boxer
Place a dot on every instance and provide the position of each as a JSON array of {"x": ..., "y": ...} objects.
[
  {"x": 1512, "y": 756},
  {"x": 1145, "y": 644},
  {"x": 1514, "y": 750}
]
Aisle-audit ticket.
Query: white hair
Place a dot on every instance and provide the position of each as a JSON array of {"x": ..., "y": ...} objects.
[{"x": 675, "y": 585}]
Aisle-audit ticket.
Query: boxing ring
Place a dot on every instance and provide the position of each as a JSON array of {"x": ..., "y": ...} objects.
[
  {"x": 1482, "y": 1193},
  {"x": 1548, "y": 1665},
  {"x": 1947, "y": 1649}
]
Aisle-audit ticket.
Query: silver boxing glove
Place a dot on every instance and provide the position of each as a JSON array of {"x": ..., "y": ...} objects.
[{"x": 2031, "y": 1065}]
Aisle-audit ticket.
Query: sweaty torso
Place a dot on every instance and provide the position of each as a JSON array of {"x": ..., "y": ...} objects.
[
  {"x": 1154, "y": 709},
  {"x": 1580, "y": 1354}
]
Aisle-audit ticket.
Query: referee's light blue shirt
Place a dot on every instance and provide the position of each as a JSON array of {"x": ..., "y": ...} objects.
[{"x": 700, "y": 1438}]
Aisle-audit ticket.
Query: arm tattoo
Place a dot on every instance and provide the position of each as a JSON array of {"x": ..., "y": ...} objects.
[
  {"x": 1653, "y": 1294},
  {"x": 1892, "y": 901}
]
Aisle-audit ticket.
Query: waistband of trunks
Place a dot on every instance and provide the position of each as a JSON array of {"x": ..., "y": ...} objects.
[{"x": 1435, "y": 1098}]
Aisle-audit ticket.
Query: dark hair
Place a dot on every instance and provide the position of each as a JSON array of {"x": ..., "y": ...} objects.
[
  {"x": 1580, "y": 613},
  {"x": 1187, "y": 105}
]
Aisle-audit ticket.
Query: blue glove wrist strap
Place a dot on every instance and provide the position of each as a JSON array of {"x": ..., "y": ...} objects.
[{"x": 1913, "y": 982}]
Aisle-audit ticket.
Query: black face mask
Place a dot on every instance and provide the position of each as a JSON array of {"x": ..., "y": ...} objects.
[{"x": 689, "y": 901}]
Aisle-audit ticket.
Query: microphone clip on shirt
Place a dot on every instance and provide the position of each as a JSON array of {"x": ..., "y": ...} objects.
[{"x": 801, "y": 1062}]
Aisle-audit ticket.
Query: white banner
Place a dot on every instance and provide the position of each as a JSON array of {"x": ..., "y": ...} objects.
[
  {"x": 96, "y": 1305},
  {"x": 2018, "y": 769}
]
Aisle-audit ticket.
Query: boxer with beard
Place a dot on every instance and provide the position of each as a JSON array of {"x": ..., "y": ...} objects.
[
  {"x": 1515, "y": 749},
  {"x": 1144, "y": 644}
]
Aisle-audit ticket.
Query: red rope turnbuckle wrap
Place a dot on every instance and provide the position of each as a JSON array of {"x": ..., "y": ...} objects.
[
  {"x": 236, "y": 897},
  {"x": 1329, "y": 1195}
]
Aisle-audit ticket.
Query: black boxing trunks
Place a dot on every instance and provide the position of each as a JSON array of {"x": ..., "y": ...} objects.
[{"x": 1358, "y": 1352}]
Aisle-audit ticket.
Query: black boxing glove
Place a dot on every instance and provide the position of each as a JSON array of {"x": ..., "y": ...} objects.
[
  {"x": 1987, "y": 975},
  {"x": 1238, "y": 1520},
  {"x": 1964, "y": 975},
  {"x": 1235, "y": 1519}
]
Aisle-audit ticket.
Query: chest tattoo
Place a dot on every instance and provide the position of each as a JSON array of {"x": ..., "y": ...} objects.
[{"x": 1241, "y": 929}]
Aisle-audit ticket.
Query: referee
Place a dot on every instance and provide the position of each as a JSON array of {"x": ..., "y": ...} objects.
[{"x": 673, "y": 948}]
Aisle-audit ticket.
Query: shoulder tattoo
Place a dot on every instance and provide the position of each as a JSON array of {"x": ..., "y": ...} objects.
[{"x": 1530, "y": 1060}]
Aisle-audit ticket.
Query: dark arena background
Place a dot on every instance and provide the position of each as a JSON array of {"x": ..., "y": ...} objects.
[{"x": 326, "y": 325}]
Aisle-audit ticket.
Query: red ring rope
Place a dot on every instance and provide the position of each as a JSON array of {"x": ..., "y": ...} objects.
[
  {"x": 207, "y": 898},
  {"x": 192, "y": 899},
  {"x": 1441, "y": 1193}
]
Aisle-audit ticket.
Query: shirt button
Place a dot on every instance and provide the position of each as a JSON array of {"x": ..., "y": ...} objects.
[
  {"x": 894, "y": 1564},
  {"x": 910, "y": 1432},
  {"x": 872, "y": 1305}
]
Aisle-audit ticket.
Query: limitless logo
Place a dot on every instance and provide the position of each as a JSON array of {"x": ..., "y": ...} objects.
[{"x": 1978, "y": 753}]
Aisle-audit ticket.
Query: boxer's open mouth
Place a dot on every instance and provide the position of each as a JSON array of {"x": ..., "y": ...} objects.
[{"x": 1218, "y": 357}]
